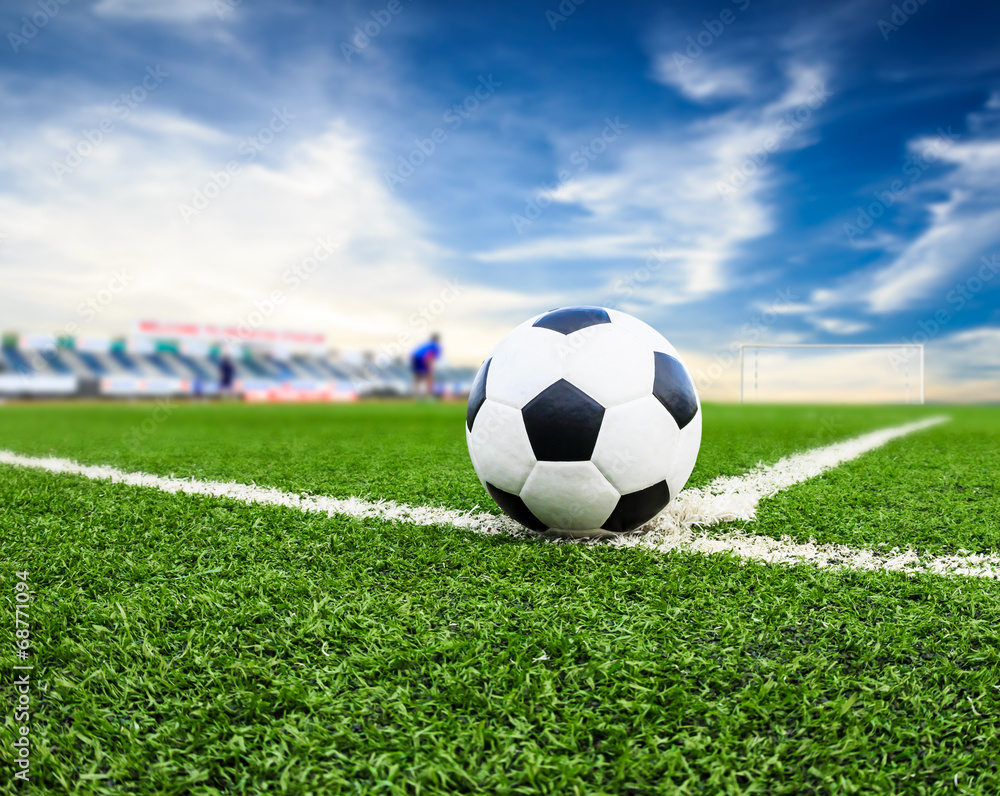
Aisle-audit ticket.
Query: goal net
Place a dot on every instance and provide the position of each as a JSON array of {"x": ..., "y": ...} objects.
[{"x": 832, "y": 374}]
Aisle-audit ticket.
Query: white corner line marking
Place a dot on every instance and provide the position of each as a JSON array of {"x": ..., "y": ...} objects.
[
  {"x": 730, "y": 499},
  {"x": 724, "y": 500}
]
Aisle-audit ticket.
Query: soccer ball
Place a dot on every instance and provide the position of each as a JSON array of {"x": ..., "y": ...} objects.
[{"x": 583, "y": 421}]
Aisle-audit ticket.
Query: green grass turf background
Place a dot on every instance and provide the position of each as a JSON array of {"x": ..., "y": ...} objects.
[
  {"x": 414, "y": 453},
  {"x": 937, "y": 491},
  {"x": 188, "y": 645},
  {"x": 193, "y": 645}
]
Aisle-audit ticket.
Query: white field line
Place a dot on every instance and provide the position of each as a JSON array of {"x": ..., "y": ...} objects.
[
  {"x": 736, "y": 498},
  {"x": 724, "y": 500}
]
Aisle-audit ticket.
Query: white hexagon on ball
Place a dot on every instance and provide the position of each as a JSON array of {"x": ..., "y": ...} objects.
[
  {"x": 583, "y": 421},
  {"x": 503, "y": 452},
  {"x": 638, "y": 445},
  {"x": 524, "y": 363},
  {"x": 609, "y": 364},
  {"x": 569, "y": 496},
  {"x": 642, "y": 331}
]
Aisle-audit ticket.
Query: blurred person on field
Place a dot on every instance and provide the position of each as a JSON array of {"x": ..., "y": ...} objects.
[
  {"x": 422, "y": 362},
  {"x": 227, "y": 370}
]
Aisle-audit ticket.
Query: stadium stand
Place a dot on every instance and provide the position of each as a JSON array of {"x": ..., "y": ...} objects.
[
  {"x": 55, "y": 362},
  {"x": 159, "y": 363},
  {"x": 200, "y": 370},
  {"x": 125, "y": 361},
  {"x": 16, "y": 362},
  {"x": 91, "y": 363},
  {"x": 163, "y": 369},
  {"x": 307, "y": 367}
]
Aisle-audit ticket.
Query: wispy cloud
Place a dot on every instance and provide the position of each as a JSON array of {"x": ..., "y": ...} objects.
[
  {"x": 173, "y": 11},
  {"x": 840, "y": 326},
  {"x": 750, "y": 137},
  {"x": 121, "y": 211},
  {"x": 962, "y": 206},
  {"x": 701, "y": 80},
  {"x": 662, "y": 191},
  {"x": 965, "y": 366}
]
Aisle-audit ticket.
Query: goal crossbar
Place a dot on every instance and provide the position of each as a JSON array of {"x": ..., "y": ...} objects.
[{"x": 918, "y": 347}]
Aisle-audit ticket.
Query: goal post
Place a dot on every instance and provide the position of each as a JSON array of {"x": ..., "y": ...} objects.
[{"x": 873, "y": 373}]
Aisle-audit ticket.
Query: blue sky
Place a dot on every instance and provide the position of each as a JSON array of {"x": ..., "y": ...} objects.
[{"x": 730, "y": 172}]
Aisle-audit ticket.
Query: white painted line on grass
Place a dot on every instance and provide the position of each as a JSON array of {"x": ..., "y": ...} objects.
[
  {"x": 268, "y": 496},
  {"x": 730, "y": 499},
  {"x": 733, "y": 498},
  {"x": 677, "y": 528}
]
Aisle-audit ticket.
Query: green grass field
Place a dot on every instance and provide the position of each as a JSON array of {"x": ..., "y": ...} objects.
[{"x": 187, "y": 644}]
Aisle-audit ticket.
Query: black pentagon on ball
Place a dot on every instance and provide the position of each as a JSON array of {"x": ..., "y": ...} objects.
[
  {"x": 516, "y": 508},
  {"x": 673, "y": 388},
  {"x": 572, "y": 319},
  {"x": 563, "y": 422},
  {"x": 637, "y": 508},
  {"x": 477, "y": 395}
]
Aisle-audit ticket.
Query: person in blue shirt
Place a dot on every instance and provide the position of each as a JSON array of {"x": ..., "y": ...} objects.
[{"x": 422, "y": 362}]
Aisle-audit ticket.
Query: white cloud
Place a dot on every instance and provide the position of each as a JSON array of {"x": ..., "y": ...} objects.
[
  {"x": 700, "y": 80},
  {"x": 170, "y": 125},
  {"x": 965, "y": 366},
  {"x": 963, "y": 225},
  {"x": 955, "y": 239},
  {"x": 675, "y": 193},
  {"x": 561, "y": 249},
  {"x": 839, "y": 325},
  {"x": 155, "y": 11},
  {"x": 119, "y": 211},
  {"x": 786, "y": 308}
]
